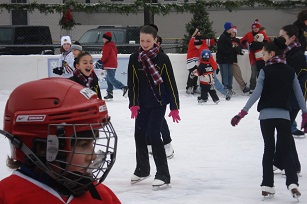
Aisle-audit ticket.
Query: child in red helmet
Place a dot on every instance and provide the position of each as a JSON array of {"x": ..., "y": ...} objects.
[{"x": 58, "y": 155}]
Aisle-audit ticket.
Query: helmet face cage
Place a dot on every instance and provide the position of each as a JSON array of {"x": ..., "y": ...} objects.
[{"x": 83, "y": 158}]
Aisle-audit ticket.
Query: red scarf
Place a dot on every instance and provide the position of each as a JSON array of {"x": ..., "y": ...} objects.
[
  {"x": 87, "y": 81},
  {"x": 280, "y": 59},
  {"x": 291, "y": 46},
  {"x": 147, "y": 56}
]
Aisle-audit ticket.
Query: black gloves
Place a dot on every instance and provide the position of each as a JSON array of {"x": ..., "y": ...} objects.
[
  {"x": 217, "y": 71},
  {"x": 58, "y": 70},
  {"x": 98, "y": 65}
]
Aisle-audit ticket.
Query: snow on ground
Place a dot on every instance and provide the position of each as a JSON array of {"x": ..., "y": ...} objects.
[{"x": 214, "y": 162}]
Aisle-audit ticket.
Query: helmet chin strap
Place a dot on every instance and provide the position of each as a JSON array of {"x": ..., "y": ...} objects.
[
  {"x": 93, "y": 191},
  {"x": 28, "y": 152}
]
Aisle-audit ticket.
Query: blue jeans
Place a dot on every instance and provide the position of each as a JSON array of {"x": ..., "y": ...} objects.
[
  {"x": 227, "y": 75},
  {"x": 294, "y": 127},
  {"x": 218, "y": 86},
  {"x": 111, "y": 81}
]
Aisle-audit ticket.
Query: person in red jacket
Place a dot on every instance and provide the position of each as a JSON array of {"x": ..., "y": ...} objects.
[
  {"x": 109, "y": 61},
  {"x": 247, "y": 42},
  {"x": 193, "y": 58},
  {"x": 62, "y": 142}
]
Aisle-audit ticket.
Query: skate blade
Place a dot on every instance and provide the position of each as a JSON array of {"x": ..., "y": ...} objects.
[
  {"x": 161, "y": 187},
  {"x": 137, "y": 181},
  {"x": 296, "y": 196},
  {"x": 299, "y": 136},
  {"x": 267, "y": 196}
]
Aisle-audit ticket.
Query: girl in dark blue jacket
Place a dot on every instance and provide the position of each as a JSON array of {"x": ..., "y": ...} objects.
[{"x": 152, "y": 86}]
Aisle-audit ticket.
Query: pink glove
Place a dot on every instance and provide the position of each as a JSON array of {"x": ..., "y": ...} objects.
[
  {"x": 304, "y": 122},
  {"x": 175, "y": 115},
  {"x": 235, "y": 120},
  {"x": 134, "y": 111}
]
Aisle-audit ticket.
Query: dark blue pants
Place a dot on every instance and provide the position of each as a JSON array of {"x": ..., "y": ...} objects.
[
  {"x": 149, "y": 121},
  {"x": 165, "y": 133},
  {"x": 205, "y": 89},
  {"x": 284, "y": 136}
]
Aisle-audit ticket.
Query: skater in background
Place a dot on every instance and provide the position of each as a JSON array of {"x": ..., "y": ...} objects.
[
  {"x": 301, "y": 24},
  {"x": 225, "y": 58},
  {"x": 237, "y": 74},
  {"x": 152, "y": 86},
  {"x": 275, "y": 83},
  {"x": 76, "y": 49},
  {"x": 84, "y": 73},
  {"x": 205, "y": 71},
  {"x": 62, "y": 158},
  {"x": 256, "y": 48},
  {"x": 66, "y": 60},
  {"x": 109, "y": 61},
  {"x": 193, "y": 58},
  {"x": 296, "y": 59},
  {"x": 246, "y": 41}
]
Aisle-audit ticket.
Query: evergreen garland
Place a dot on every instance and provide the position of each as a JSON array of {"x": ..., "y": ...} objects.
[
  {"x": 157, "y": 8},
  {"x": 197, "y": 9}
]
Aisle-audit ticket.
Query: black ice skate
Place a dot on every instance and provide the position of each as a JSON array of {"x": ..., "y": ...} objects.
[{"x": 109, "y": 96}]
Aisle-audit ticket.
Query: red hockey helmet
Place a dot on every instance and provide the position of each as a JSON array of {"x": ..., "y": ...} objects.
[{"x": 56, "y": 110}]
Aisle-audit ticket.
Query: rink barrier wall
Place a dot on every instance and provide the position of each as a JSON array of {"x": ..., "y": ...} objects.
[{"x": 16, "y": 70}]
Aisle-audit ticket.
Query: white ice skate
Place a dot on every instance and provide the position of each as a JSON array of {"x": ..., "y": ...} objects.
[
  {"x": 267, "y": 192},
  {"x": 158, "y": 184},
  {"x": 136, "y": 179}
]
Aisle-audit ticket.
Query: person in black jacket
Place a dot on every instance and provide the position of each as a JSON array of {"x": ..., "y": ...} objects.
[
  {"x": 165, "y": 132},
  {"x": 151, "y": 87},
  {"x": 84, "y": 74},
  {"x": 296, "y": 59},
  {"x": 225, "y": 57},
  {"x": 301, "y": 24},
  {"x": 275, "y": 83}
]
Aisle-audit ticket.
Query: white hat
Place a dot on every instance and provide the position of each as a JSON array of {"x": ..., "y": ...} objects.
[{"x": 65, "y": 39}]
